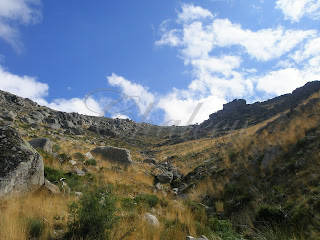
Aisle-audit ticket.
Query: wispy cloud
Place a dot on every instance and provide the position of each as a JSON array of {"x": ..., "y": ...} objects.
[
  {"x": 294, "y": 10},
  {"x": 14, "y": 13}
]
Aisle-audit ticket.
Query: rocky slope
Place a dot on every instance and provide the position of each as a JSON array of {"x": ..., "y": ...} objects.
[
  {"x": 262, "y": 179},
  {"x": 237, "y": 114}
]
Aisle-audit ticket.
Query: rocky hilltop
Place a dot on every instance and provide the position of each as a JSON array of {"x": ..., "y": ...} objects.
[
  {"x": 28, "y": 112},
  {"x": 237, "y": 114}
]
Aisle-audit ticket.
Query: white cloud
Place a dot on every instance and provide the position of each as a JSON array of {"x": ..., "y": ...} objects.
[
  {"x": 287, "y": 79},
  {"x": 83, "y": 106},
  {"x": 311, "y": 48},
  {"x": 14, "y": 12},
  {"x": 190, "y": 13},
  {"x": 264, "y": 45},
  {"x": 221, "y": 78},
  {"x": 170, "y": 38},
  {"x": 23, "y": 86},
  {"x": 294, "y": 10},
  {"x": 223, "y": 64},
  {"x": 29, "y": 87},
  {"x": 178, "y": 109},
  {"x": 135, "y": 91}
]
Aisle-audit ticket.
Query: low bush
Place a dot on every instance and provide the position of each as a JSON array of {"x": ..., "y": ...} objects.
[
  {"x": 35, "y": 227},
  {"x": 91, "y": 162},
  {"x": 53, "y": 175},
  {"x": 222, "y": 229},
  {"x": 93, "y": 216},
  {"x": 268, "y": 215},
  {"x": 79, "y": 156},
  {"x": 149, "y": 199},
  {"x": 128, "y": 204},
  {"x": 63, "y": 157}
]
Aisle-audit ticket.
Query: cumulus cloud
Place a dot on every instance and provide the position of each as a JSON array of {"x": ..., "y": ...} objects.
[
  {"x": 30, "y": 87},
  {"x": 218, "y": 79},
  {"x": 311, "y": 48},
  {"x": 23, "y": 86},
  {"x": 190, "y": 13},
  {"x": 143, "y": 98},
  {"x": 294, "y": 10},
  {"x": 179, "y": 109},
  {"x": 85, "y": 106},
  {"x": 15, "y": 12},
  {"x": 264, "y": 45}
]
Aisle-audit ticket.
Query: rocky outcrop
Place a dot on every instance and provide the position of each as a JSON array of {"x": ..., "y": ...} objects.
[
  {"x": 42, "y": 143},
  {"x": 8, "y": 115},
  {"x": 237, "y": 114},
  {"x": 165, "y": 177},
  {"x": 113, "y": 154},
  {"x": 21, "y": 167}
]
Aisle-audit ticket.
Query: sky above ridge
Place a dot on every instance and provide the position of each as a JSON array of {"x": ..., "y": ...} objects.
[{"x": 164, "y": 62}]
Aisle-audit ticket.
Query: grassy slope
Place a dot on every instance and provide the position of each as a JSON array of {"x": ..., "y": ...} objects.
[{"x": 238, "y": 190}]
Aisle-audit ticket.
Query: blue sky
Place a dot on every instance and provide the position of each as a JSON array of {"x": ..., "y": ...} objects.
[{"x": 156, "y": 61}]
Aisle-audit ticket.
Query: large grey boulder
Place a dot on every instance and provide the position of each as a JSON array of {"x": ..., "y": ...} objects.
[
  {"x": 42, "y": 143},
  {"x": 67, "y": 124},
  {"x": 117, "y": 155},
  {"x": 165, "y": 177},
  {"x": 21, "y": 166},
  {"x": 8, "y": 115}
]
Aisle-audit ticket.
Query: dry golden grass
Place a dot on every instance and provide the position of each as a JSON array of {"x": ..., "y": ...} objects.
[
  {"x": 176, "y": 222},
  {"x": 15, "y": 210}
]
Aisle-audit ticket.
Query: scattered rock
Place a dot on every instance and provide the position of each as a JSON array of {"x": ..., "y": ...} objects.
[
  {"x": 165, "y": 177},
  {"x": 152, "y": 220},
  {"x": 159, "y": 186},
  {"x": 202, "y": 237},
  {"x": 72, "y": 162},
  {"x": 58, "y": 234},
  {"x": 23, "y": 133},
  {"x": 150, "y": 161},
  {"x": 67, "y": 124},
  {"x": 21, "y": 166},
  {"x": 42, "y": 143},
  {"x": 55, "y": 126},
  {"x": 50, "y": 188},
  {"x": 8, "y": 115},
  {"x": 117, "y": 155},
  {"x": 89, "y": 155},
  {"x": 80, "y": 172},
  {"x": 78, "y": 194}
]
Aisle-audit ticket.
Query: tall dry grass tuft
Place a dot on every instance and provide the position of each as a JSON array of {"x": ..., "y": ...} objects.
[{"x": 16, "y": 210}]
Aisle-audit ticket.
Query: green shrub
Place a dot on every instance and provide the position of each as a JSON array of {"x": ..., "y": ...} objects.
[
  {"x": 53, "y": 175},
  {"x": 268, "y": 215},
  {"x": 149, "y": 199},
  {"x": 93, "y": 216},
  {"x": 35, "y": 227},
  {"x": 63, "y": 157},
  {"x": 222, "y": 229},
  {"x": 128, "y": 204},
  {"x": 91, "y": 162},
  {"x": 56, "y": 148},
  {"x": 79, "y": 156}
]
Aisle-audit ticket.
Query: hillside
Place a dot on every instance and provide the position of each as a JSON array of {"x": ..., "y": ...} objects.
[{"x": 251, "y": 171}]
